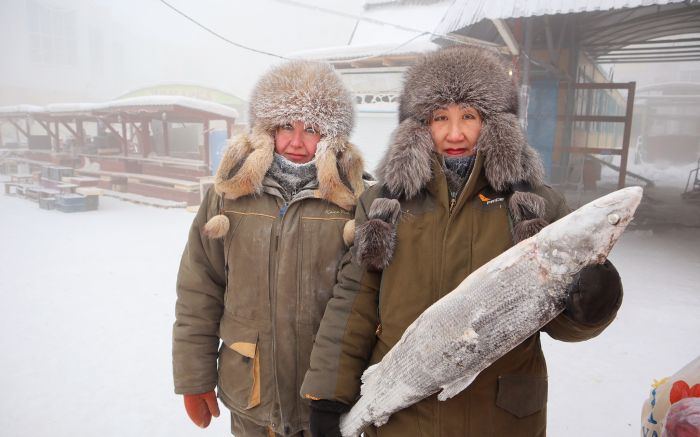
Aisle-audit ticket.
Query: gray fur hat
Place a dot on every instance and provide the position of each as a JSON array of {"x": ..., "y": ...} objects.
[
  {"x": 462, "y": 75},
  {"x": 456, "y": 75},
  {"x": 305, "y": 91}
]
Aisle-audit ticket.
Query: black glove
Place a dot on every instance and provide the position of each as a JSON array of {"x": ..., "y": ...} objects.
[
  {"x": 595, "y": 294},
  {"x": 325, "y": 418}
]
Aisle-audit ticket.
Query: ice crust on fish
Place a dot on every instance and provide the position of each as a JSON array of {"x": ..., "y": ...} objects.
[{"x": 493, "y": 310}]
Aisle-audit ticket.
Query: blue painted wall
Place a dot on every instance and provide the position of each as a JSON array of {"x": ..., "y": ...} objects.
[
  {"x": 542, "y": 119},
  {"x": 217, "y": 145}
]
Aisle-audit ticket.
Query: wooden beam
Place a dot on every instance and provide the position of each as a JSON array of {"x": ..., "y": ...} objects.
[
  {"x": 505, "y": 33},
  {"x": 600, "y": 118},
  {"x": 19, "y": 128},
  {"x": 603, "y": 85},
  {"x": 80, "y": 134},
  {"x": 641, "y": 50},
  {"x": 70, "y": 129},
  {"x": 590, "y": 150},
  {"x": 166, "y": 135},
  {"x": 144, "y": 139},
  {"x": 553, "y": 58},
  {"x": 207, "y": 158},
  {"x": 626, "y": 135},
  {"x": 111, "y": 129},
  {"x": 57, "y": 126},
  {"x": 655, "y": 61},
  {"x": 47, "y": 128},
  {"x": 663, "y": 41},
  {"x": 660, "y": 58},
  {"x": 126, "y": 140}
]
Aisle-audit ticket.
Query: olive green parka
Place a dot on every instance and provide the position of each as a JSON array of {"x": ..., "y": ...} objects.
[
  {"x": 258, "y": 270},
  {"x": 404, "y": 261}
]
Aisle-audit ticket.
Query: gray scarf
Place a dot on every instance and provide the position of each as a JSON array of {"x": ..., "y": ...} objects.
[
  {"x": 291, "y": 176},
  {"x": 457, "y": 171}
]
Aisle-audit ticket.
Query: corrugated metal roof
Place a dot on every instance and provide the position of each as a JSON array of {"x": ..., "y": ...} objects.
[
  {"x": 355, "y": 52},
  {"x": 464, "y": 13}
]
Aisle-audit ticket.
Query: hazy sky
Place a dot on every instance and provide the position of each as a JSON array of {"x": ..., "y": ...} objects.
[
  {"x": 143, "y": 42},
  {"x": 119, "y": 46}
]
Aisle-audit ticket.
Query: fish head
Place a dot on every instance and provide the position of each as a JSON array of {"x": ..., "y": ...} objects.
[{"x": 588, "y": 234}]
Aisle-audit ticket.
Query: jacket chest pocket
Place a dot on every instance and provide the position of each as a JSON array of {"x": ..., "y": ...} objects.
[
  {"x": 491, "y": 233},
  {"x": 321, "y": 249},
  {"x": 248, "y": 264}
]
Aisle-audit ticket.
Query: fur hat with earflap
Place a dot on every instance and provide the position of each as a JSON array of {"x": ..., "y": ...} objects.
[
  {"x": 457, "y": 75},
  {"x": 310, "y": 92}
]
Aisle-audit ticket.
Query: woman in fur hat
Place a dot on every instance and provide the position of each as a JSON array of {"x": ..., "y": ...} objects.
[
  {"x": 458, "y": 186},
  {"x": 263, "y": 252}
]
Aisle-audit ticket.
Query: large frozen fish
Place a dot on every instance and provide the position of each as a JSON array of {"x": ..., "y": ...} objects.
[{"x": 493, "y": 310}]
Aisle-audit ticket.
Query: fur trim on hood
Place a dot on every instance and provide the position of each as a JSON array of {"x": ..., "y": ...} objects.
[
  {"x": 467, "y": 76},
  {"x": 310, "y": 92}
]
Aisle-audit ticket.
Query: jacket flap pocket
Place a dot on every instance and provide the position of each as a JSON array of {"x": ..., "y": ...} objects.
[
  {"x": 239, "y": 336},
  {"x": 239, "y": 364},
  {"x": 522, "y": 395}
]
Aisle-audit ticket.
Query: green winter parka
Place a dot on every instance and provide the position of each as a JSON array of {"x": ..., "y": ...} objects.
[
  {"x": 436, "y": 248},
  {"x": 250, "y": 296}
]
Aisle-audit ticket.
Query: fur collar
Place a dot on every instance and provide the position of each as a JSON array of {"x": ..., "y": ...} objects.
[
  {"x": 249, "y": 156},
  {"x": 510, "y": 165},
  {"x": 508, "y": 159}
]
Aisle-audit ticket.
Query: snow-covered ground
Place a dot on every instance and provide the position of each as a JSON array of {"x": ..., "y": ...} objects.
[{"x": 87, "y": 305}]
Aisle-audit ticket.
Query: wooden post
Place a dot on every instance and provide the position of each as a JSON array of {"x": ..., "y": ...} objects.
[
  {"x": 207, "y": 158},
  {"x": 626, "y": 136},
  {"x": 144, "y": 138},
  {"x": 57, "y": 126},
  {"x": 28, "y": 126},
  {"x": 47, "y": 127},
  {"x": 126, "y": 140},
  {"x": 166, "y": 135},
  {"x": 19, "y": 129},
  {"x": 80, "y": 135}
]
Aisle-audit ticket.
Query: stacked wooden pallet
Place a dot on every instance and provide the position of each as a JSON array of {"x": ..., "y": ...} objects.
[{"x": 180, "y": 190}]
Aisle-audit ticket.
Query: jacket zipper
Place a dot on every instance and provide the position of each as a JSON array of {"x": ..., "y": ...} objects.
[
  {"x": 273, "y": 304},
  {"x": 452, "y": 204}
]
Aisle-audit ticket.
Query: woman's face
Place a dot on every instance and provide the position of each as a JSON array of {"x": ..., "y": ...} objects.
[
  {"x": 455, "y": 130},
  {"x": 297, "y": 142}
]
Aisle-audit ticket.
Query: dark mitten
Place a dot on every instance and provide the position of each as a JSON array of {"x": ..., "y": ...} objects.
[
  {"x": 325, "y": 418},
  {"x": 595, "y": 294}
]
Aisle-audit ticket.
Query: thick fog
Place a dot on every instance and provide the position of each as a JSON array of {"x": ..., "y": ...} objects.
[
  {"x": 109, "y": 48},
  {"x": 87, "y": 299}
]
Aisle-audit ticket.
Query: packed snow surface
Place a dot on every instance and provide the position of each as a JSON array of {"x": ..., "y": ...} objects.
[{"x": 87, "y": 305}]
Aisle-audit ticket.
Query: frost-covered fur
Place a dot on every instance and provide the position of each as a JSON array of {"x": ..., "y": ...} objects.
[
  {"x": 302, "y": 91},
  {"x": 462, "y": 75},
  {"x": 376, "y": 238},
  {"x": 473, "y": 77},
  {"x": 469, "y": 76},
  {"x": 310, "y": 92}
]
